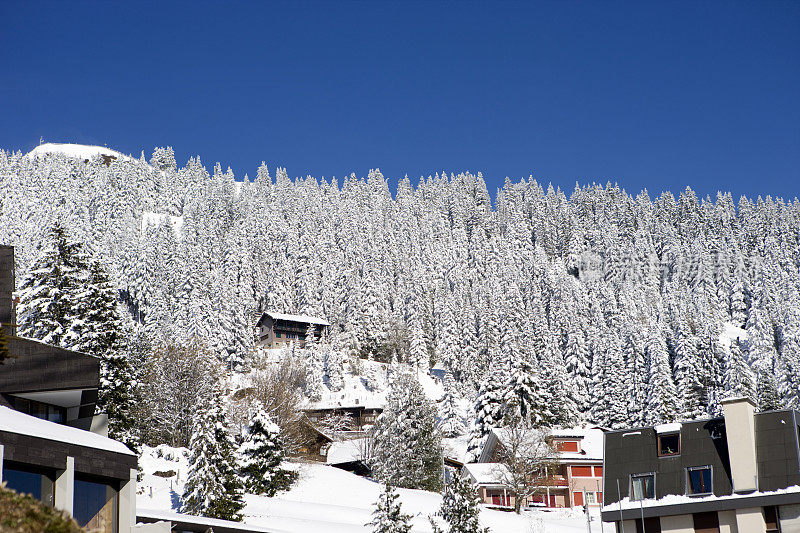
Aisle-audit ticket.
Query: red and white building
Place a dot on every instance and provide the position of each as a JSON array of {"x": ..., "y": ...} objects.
[{"x": 576, "y": 478}]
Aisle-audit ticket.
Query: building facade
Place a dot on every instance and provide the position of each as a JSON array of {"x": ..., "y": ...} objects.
[
  {"x": 573, "y": 479},
  {"x": 275, "y": 330},
  {"x": 736, "y": 474}
]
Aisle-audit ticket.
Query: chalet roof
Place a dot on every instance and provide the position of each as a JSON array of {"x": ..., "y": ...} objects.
[
  {"x": 306, "y": 319},
  {"x": 590, "y": 438},
  {"x": 12, "y": 421},
  {"x": 484, "y": 473}
]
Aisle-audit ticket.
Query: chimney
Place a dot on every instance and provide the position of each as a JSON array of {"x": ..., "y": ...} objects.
[
  {"x": 741, "y": 435},
  {"x": 7, "y": 314}
]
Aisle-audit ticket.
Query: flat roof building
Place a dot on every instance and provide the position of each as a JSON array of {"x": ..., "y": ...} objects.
[{"x": 739, "y": 473}]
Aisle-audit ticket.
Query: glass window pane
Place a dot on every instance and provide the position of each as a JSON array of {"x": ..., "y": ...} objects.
[
  {"x": 700, "y": 480},
  {"x": 94, "y": 506},
  {"x": 23, "y": 482}
]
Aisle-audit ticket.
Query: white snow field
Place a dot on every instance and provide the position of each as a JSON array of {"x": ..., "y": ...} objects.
[
  {"x": 326, "y": 499},
  {"x": 81, "y": 151}
]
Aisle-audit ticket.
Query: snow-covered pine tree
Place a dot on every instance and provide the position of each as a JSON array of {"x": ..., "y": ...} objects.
[
  {"x": 261, "y": 454},
  {"x": 49, "y": 294},
  {"x": 334, "y": 369},
  {"x": 738, "y": 379},
  {"x": 523, "y": 396},
  {"x": 490, "y": 409},
  {"x": 407, "y": 449},
  {"x": 450, "y": 420},
  {"x": 460, "y": 507},
  {"x": 388, "y": 516},
  {"x": 315, "y": 373},
  {"x": 104, "y": 335},
  {"x": 213, "y": 487}
]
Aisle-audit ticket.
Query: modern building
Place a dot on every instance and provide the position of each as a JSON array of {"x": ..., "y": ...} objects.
[
  {"x": 47, "y": 414},
  {"x": 739, "y": 473},
  {"x": 574, "y": 479},
  {"x": 278, "y": 329}
]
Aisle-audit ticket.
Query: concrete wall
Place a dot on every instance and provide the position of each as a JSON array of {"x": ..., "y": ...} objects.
[
  {"x": 741, "y": 436},
  {"x": 681, "y": 523},
  {"x": 727, "y": 522},
  {"x": 790, "y": 518},
  {"x": 750, "y": 520}
]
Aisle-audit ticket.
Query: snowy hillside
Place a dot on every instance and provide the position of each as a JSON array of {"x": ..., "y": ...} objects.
[
  {"x": 79, "y": 151},
  {"x": 332, "y": 500}
]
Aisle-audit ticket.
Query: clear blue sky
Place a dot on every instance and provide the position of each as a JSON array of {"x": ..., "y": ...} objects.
[{"x": 656, "y": 95}]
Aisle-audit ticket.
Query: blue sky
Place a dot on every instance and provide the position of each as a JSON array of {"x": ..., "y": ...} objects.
[{"x": 655, "y": 95}]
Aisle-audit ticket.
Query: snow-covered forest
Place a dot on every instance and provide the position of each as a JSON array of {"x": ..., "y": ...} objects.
[{"x": 627, "y": 309}]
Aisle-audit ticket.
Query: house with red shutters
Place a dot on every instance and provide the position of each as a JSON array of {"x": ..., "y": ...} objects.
[{"x": 575, "y": 479}]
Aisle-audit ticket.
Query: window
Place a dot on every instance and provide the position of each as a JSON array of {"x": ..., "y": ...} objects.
[
  {"x": 772, "y": 519},
  {"x": 706, "y": 522},
  {"x": 698, "y": 480},
  {"x": 643, "y": 486},
  {"x": 37, "y": 484},
  {"x": 277, "y": 335},
  {"x": 567, "y": 446},
  {"x": 581, "y": 471},
  {"x": 95, "y": 506},
  {"x": 577, "y": 497},
  {"x": 590, "y": 498},
  {"x": 598, "y": 471},
  {"x": 669, "y": 444}
]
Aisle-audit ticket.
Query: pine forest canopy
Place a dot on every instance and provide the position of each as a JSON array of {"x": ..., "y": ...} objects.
[{"x": 616, "y": 301}]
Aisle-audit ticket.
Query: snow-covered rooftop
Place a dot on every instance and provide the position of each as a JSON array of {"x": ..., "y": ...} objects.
[
  {"x": 81, "y": 151},
  {"x": 15, "y": 422},
  {"x": 297, "y": 318},
  {"x": 590, "y": 442},
  {"x": 172, "y": 516},
  {"x": 346, "y": 451},
  {"x": 485, "y": 473}
]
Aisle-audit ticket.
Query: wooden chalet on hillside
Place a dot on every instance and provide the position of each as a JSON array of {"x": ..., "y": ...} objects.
[{"x": 277, "y": 329}]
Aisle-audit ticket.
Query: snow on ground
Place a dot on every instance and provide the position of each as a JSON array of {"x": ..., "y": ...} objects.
[
  {"x": 80, "y": 151},
  {"x": 730, "y": 333},
  {"x": 154, "y": 219},
  {"x": 332, "y": 500}
]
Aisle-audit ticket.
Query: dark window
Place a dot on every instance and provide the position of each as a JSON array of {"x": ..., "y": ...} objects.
[
  {"x": 699, "y": 479},
  {"x": 278, "y": 335},
  {"x": 46, "y": 411},
  {"x": 94, "y": 506},
  {"x": 706, "y": 522},
  {"x": 37, "y": 484},
  {"x": 643, "y": 486},
  {"x": 651, "y": 525},
  {"x": 669, "y": 444},
  {"x": 772, "y": 519}
]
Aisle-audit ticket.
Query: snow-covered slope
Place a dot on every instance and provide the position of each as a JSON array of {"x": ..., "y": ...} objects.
[
  {"x": 332, "y": 500},
  {"x": 154, "y": 219},
  {"x": 80, "y": 151}
]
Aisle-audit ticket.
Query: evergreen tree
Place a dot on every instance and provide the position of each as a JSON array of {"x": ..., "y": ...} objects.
[
  {"x": 490, "y": 410},
  {"x": 407, "y": 450},
  {"x": 50, "y": 292},
  {"x": 213, "y": 487},
  {"x": 450, "y": 421},
  {"x": 388, "y": 516},
  {"x": 460, "y": 508},
  {"x": 261, "y": 454}
]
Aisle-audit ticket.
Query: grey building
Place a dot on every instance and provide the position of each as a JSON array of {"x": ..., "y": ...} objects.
[
  {"x": 739, "y": 473},
  {"x": 277, "y": 329},
  {"x": 47, "y": 414}
]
